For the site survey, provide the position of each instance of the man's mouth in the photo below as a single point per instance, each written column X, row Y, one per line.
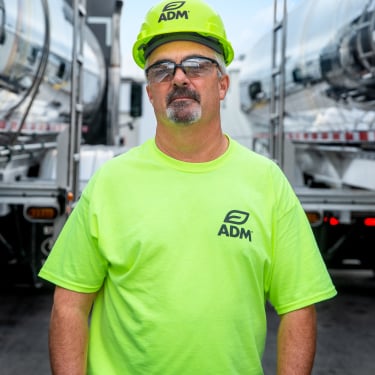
column 182, row 94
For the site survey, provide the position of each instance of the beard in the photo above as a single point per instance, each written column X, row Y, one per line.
column 184, row 111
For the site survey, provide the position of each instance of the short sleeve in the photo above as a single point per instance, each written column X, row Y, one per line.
column 75, row 261
column 299, row 276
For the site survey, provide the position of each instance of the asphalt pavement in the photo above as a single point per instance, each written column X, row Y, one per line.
column 346, row 329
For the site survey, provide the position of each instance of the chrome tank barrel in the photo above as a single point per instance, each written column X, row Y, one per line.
column 329, row 68
column 348, row 61
column 28, row 54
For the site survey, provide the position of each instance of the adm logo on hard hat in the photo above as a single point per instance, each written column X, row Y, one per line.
column 171, row 12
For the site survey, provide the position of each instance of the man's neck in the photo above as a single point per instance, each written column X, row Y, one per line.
column 191, row 143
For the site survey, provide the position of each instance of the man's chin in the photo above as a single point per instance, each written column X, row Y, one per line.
column 183, row 116
column 183, row 121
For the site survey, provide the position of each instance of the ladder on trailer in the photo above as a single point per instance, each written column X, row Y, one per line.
column 277, row 90
column 79, row 19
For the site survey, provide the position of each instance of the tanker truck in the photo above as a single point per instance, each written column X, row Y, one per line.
column 307, row 92
column 59, row 118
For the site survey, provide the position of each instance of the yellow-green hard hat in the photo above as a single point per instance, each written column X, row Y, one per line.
column 192, row 20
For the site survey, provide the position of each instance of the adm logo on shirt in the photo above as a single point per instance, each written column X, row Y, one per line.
column 233, row 225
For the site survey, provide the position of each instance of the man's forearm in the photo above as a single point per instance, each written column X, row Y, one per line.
column 68, row 338
column 297, row 342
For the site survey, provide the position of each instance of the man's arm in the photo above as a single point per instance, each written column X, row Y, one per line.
column 68, row 334
column 296, row 342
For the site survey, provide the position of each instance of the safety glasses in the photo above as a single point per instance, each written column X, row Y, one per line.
column 193, row 67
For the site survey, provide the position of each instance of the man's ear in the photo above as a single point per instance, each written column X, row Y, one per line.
column 149, row 94
column 224, row 83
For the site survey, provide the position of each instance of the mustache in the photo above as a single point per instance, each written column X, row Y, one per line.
column 182, row 92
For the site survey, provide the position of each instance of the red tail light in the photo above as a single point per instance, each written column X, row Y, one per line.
column 332, row 220
column 369, row 221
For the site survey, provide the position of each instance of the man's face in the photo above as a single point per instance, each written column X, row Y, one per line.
column 186, row 97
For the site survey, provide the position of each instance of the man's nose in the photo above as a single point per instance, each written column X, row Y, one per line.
column 180, row 76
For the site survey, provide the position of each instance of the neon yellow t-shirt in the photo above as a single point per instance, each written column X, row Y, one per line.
column 185, row 256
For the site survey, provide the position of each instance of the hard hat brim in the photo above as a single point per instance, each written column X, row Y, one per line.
column 190, row 37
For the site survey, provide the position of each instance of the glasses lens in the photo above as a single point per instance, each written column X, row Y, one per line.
column 160, row 72
column 197, row 67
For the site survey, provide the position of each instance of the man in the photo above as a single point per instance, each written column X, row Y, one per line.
column 175, row 246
